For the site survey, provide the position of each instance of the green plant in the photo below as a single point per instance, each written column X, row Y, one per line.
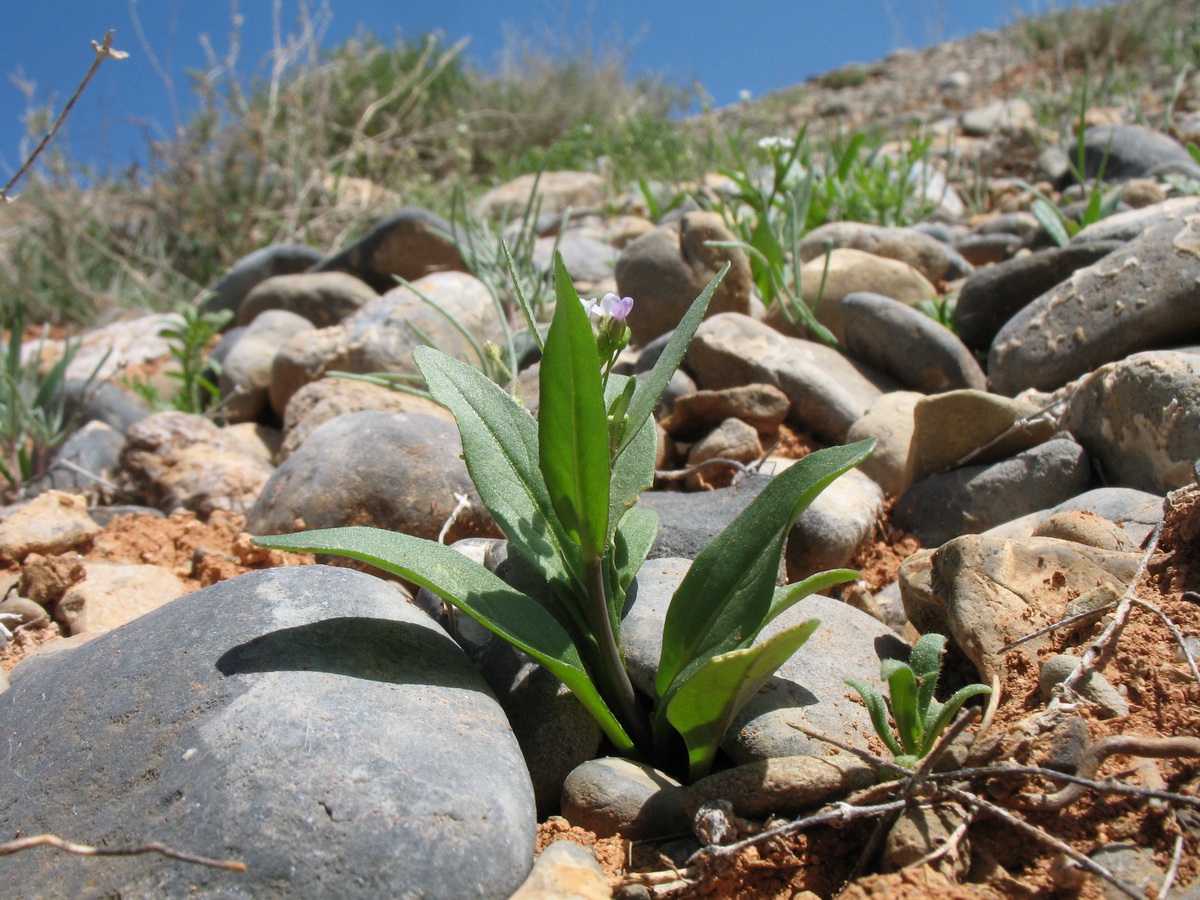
column 920, row 719
column 188, row 341
column 564, row 490
column 34, row 419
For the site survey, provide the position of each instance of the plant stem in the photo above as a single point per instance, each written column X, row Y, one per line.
column 614, row 678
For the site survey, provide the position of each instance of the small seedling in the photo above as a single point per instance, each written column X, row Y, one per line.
column 919, row 718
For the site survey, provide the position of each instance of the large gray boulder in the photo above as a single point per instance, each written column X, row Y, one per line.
column 307, row 721
column 1140, row 298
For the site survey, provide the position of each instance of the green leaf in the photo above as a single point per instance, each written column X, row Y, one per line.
column 902, row 686
column 926, row 663
column 878, row 712
column 725, row 597
column 703, row 707
column 948, row 711
column 500, row 447
column 470, row 587
column 787, row 596
column 650, row 388
column 573, row 432
column 1051, row 219
column 634, row 538
column 633, row 470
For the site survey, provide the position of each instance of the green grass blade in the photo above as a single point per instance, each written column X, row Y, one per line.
column 878, row 712
column 789, row 595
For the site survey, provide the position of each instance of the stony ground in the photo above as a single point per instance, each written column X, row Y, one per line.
column 1148, row 844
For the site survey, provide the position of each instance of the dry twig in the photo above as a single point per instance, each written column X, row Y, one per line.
column 103, row 51
column 50, row 840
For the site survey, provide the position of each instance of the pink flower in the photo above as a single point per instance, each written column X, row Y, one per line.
column 609, row 306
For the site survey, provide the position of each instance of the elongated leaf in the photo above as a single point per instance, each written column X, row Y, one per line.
column 878, row 713
column 703, row 707
column 727, row 592
column 650, row 388
column 938, row 722
column 1051, row 220
column 500, row 446
column 573, row 430
column 473, row 589
column 634, row 538
column 926, row 663
column 790, row 594
column 633, row 470
column 902, row 687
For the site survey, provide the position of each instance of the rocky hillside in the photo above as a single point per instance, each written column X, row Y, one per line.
column 937, row 263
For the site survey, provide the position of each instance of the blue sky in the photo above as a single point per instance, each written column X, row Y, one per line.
column 727, row 46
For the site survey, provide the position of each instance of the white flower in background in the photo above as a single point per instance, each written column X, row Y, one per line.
column 775, row 142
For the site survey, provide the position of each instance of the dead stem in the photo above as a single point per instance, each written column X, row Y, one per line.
column 50, row 840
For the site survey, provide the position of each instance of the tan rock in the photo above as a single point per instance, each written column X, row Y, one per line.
column 51, row 523
column 565, row 871
column 782, row 786
column 851, row 271
column 762, row 406
column 111, row 595
column 555, row 190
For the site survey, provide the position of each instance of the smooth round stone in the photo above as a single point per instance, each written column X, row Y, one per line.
column 246, row 369
column 308, row 721
column 785, row 786
column 841, row 519
column 889, row 421
column 409, row 244
column 934, row 259
column 324, row 298
column 1093, row 687
column 610, row 795
column 918, row 352
column 971, row 499
column 283, row 259
column 1140, row 420
column 665, row 270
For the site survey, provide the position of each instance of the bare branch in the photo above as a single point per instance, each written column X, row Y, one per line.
column 103, row 51
column 50, row 840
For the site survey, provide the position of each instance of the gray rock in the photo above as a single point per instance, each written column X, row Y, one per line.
column 849, row 271
column 1117, row 152
column 307, row 721
column 347, row 473
column 324, row 298
column 181, row 461
column 889, row 420
column 1009, row 116
column 732, row 439
column 828, row 392
column 382, row 335
column 934, row 259
column 1139, row 419
column 784, row 786
column 690, row 521
column 1133, row 865
column 972, row 499
column 839, row 521
column 105, row 402
column 988, row 249
column 1138, row 298
column 666, row 269
column 1136, row 512
column 86, row 463
column 410, row 244
column 1093, row 687
column 905, row 343
column 610, row 795
column 919, row 831
column 319, row 401
column 993, row 295
column 246, row 369
column 1125, row 226
column 283, row 259
column 590, row 261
